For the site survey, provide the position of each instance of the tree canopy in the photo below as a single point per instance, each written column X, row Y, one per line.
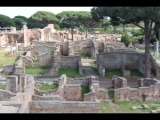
column 6, row 21
column 44, row 17
column 18, row 22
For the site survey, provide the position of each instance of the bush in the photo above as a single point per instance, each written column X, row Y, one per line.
column 125, row 38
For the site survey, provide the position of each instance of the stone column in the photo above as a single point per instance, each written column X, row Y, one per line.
column 11, row 48
column 16, row 46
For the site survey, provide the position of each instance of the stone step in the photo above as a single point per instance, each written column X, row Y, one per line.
column 9, row 109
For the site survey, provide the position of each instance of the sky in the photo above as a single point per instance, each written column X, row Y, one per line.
column 28, row 11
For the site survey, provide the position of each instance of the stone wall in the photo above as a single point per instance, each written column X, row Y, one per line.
column 12, row 83
column 119, row 82
column 19, row 70
column 119, row 60
column 64, row 107
column 72, row 92
column 147, row 93
column 24, row 48
column 142, row 82
column 6, row 95
column 49, row 92
column 46, row 98
column 8, row 69
column 41, row 49
column 69, row 61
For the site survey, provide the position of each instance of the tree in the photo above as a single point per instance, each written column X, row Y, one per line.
column 44, row 17
column 85, row 18
column 125, row 38
column 18, row 22
column 134, row 15
column 70, row 17
column 6, row 21
column 22, row 17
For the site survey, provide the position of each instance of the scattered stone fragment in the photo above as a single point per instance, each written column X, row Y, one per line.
column 139, row 107
column 158, row 110
column 134, row 107
column 145, row 106
column 153, row 111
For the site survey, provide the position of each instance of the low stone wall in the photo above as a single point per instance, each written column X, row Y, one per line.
column 24, row 108
column 63, row 107
column 72, row 92
column 119, row 82
column 12, row 83
column 46, row 98
column 6, row 95
column 49, row 92
column 23, row 48
column 90, row 96
column 8, row 69
column 146, row 81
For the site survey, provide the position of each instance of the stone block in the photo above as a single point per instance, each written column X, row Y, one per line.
column 153, row 111
column 145, row 106
column 134, row 107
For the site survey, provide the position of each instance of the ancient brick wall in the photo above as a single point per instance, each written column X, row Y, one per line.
column 64, row 107
column 45, row 59
column 91, row 96
column 46, row 98
column 26, row 62
column 119, row 82
column 41, row 49
column 72, row 92
column 146, row 82
column 116, row 60
column 69, row 61
column 24, row 48
column 48, row 92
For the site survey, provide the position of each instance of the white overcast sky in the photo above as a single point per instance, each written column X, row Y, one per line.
column 28, row 11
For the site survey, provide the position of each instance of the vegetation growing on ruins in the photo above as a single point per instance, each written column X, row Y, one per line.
column 47, row 87
column 3, row 87
column 111, row 73
column 136, row 74
column 70, row 72
column 111, row 93
column 125, row 107
column 85, row 56
column 105, row 108
column 84, row 90
column 5, row 59
column 35, row 70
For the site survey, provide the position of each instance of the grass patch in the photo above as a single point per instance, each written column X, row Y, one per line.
column 111, row 93
column 125, row 107
column 136, row 74
column 8, row 59
column 84, row 90
column 70, row 72
column 47, row 87
column 94, row 68
column 85, row 56
column 3, row 87
column 35, row 70
column 105, row 108
column 110, row 73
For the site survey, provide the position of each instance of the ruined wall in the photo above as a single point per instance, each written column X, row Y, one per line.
column 12, row 83
column 72, row 92
column 49, row 92
column 39, row 50
column 19, row 70
column 8, row 69
column 45, row 98
column 119, row 82
column 116, row 60
column 24, row 48
column 45, row 59
column 64, row 107
column 146, row 81
column 5, row 95
column 69, row 61
column 147, row 93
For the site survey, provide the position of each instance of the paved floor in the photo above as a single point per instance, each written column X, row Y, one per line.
column 9, row 109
